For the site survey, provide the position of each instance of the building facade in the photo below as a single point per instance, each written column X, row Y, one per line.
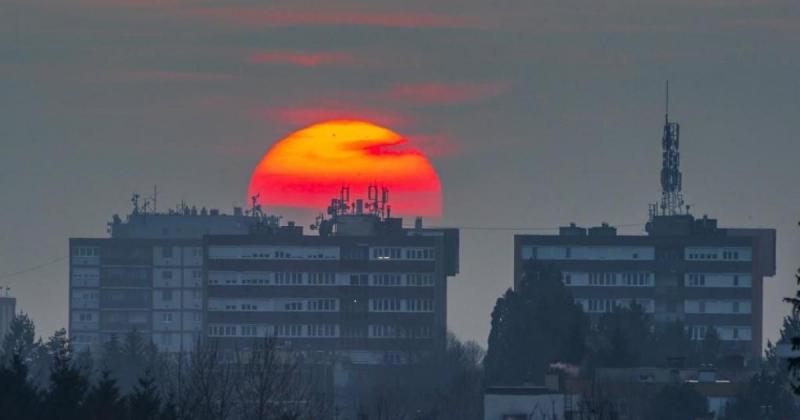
column 146, row 277
column 8, row 307
column 684, row 269
column 367, row 291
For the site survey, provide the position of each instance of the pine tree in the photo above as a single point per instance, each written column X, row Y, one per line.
column 18, row 397
column 710, row 347
column 765, row 397
column 20, row 338
column 103, row 401
column 64, row 399
column 144, row 402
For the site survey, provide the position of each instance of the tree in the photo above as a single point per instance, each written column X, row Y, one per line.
column 144, row 402
column 672, row 341
column 64, row 399
column 531, row 328
column 18, row 397
column 20, row 339
column 710, row 347
column 794, row 362
column 622, row 337
column 103, row 401
column 677, row 402
column 765, row 397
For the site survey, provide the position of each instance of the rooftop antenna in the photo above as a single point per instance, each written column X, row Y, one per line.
column 135, row 202
column 671, row 178
column 155, row 199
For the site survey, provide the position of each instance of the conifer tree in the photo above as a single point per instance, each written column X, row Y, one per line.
column 103, row 400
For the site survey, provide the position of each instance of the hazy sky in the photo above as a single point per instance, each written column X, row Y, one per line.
column 535, row 114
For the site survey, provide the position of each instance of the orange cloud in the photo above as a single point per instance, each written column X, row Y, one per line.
column 303, row 59
column 446, row 93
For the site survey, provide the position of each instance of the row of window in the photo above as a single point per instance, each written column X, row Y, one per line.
column 281, row 330
column 396, row 331
column 86, row 251
column 401, row 305
column 717, row 307
column 718, row 280
column 294, row 278
column 397, row 253
column 627, row 253
column 727, row 333
column 274, row 252
column 277, row 305
column 608, row 305
column 626, row 279
column 716, row 253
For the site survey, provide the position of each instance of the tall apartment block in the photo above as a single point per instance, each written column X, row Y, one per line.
column 364, row 289
column 147, row 276
column 684, row 268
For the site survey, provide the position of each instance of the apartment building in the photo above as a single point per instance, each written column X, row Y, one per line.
column 683, row 268
column 147, row 276
column 365, row 289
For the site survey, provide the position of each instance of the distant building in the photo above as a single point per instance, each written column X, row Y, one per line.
column 8, row 307
column 365, row 290
column 685, row 268
column 529, row 403
column 147, row 276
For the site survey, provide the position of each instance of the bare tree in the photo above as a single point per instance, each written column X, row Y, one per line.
column 277, row 385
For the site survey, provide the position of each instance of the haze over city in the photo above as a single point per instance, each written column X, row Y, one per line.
column 519, row 117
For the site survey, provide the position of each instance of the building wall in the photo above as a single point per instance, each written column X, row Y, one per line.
column 151, row 285
column 710, row 279
column 8, row 307
column 373, row 299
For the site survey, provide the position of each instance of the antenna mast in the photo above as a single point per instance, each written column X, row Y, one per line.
column 671, row 178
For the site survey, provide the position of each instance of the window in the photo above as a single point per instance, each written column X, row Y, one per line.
column 167, row 318
column 166, row 274
column 567, row 279
column 702, row 307
column 736, row 307
column 735, row 333
column 195, row 274
column 736, row 281
column 166, row 252
column 166, row 295
column 85, row 317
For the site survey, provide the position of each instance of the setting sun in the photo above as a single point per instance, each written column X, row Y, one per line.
column 307, row 168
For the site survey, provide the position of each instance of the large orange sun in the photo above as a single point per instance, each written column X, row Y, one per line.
column 307, row 168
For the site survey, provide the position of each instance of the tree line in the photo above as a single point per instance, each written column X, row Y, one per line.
column 128, row 378
column 538, row 327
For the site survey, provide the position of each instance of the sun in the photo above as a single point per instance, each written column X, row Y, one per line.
column 307, row 168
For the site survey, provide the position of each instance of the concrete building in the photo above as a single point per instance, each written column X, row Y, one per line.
column 684, row 267
column 365, row 290
column 8, row 307
column 147, row 276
